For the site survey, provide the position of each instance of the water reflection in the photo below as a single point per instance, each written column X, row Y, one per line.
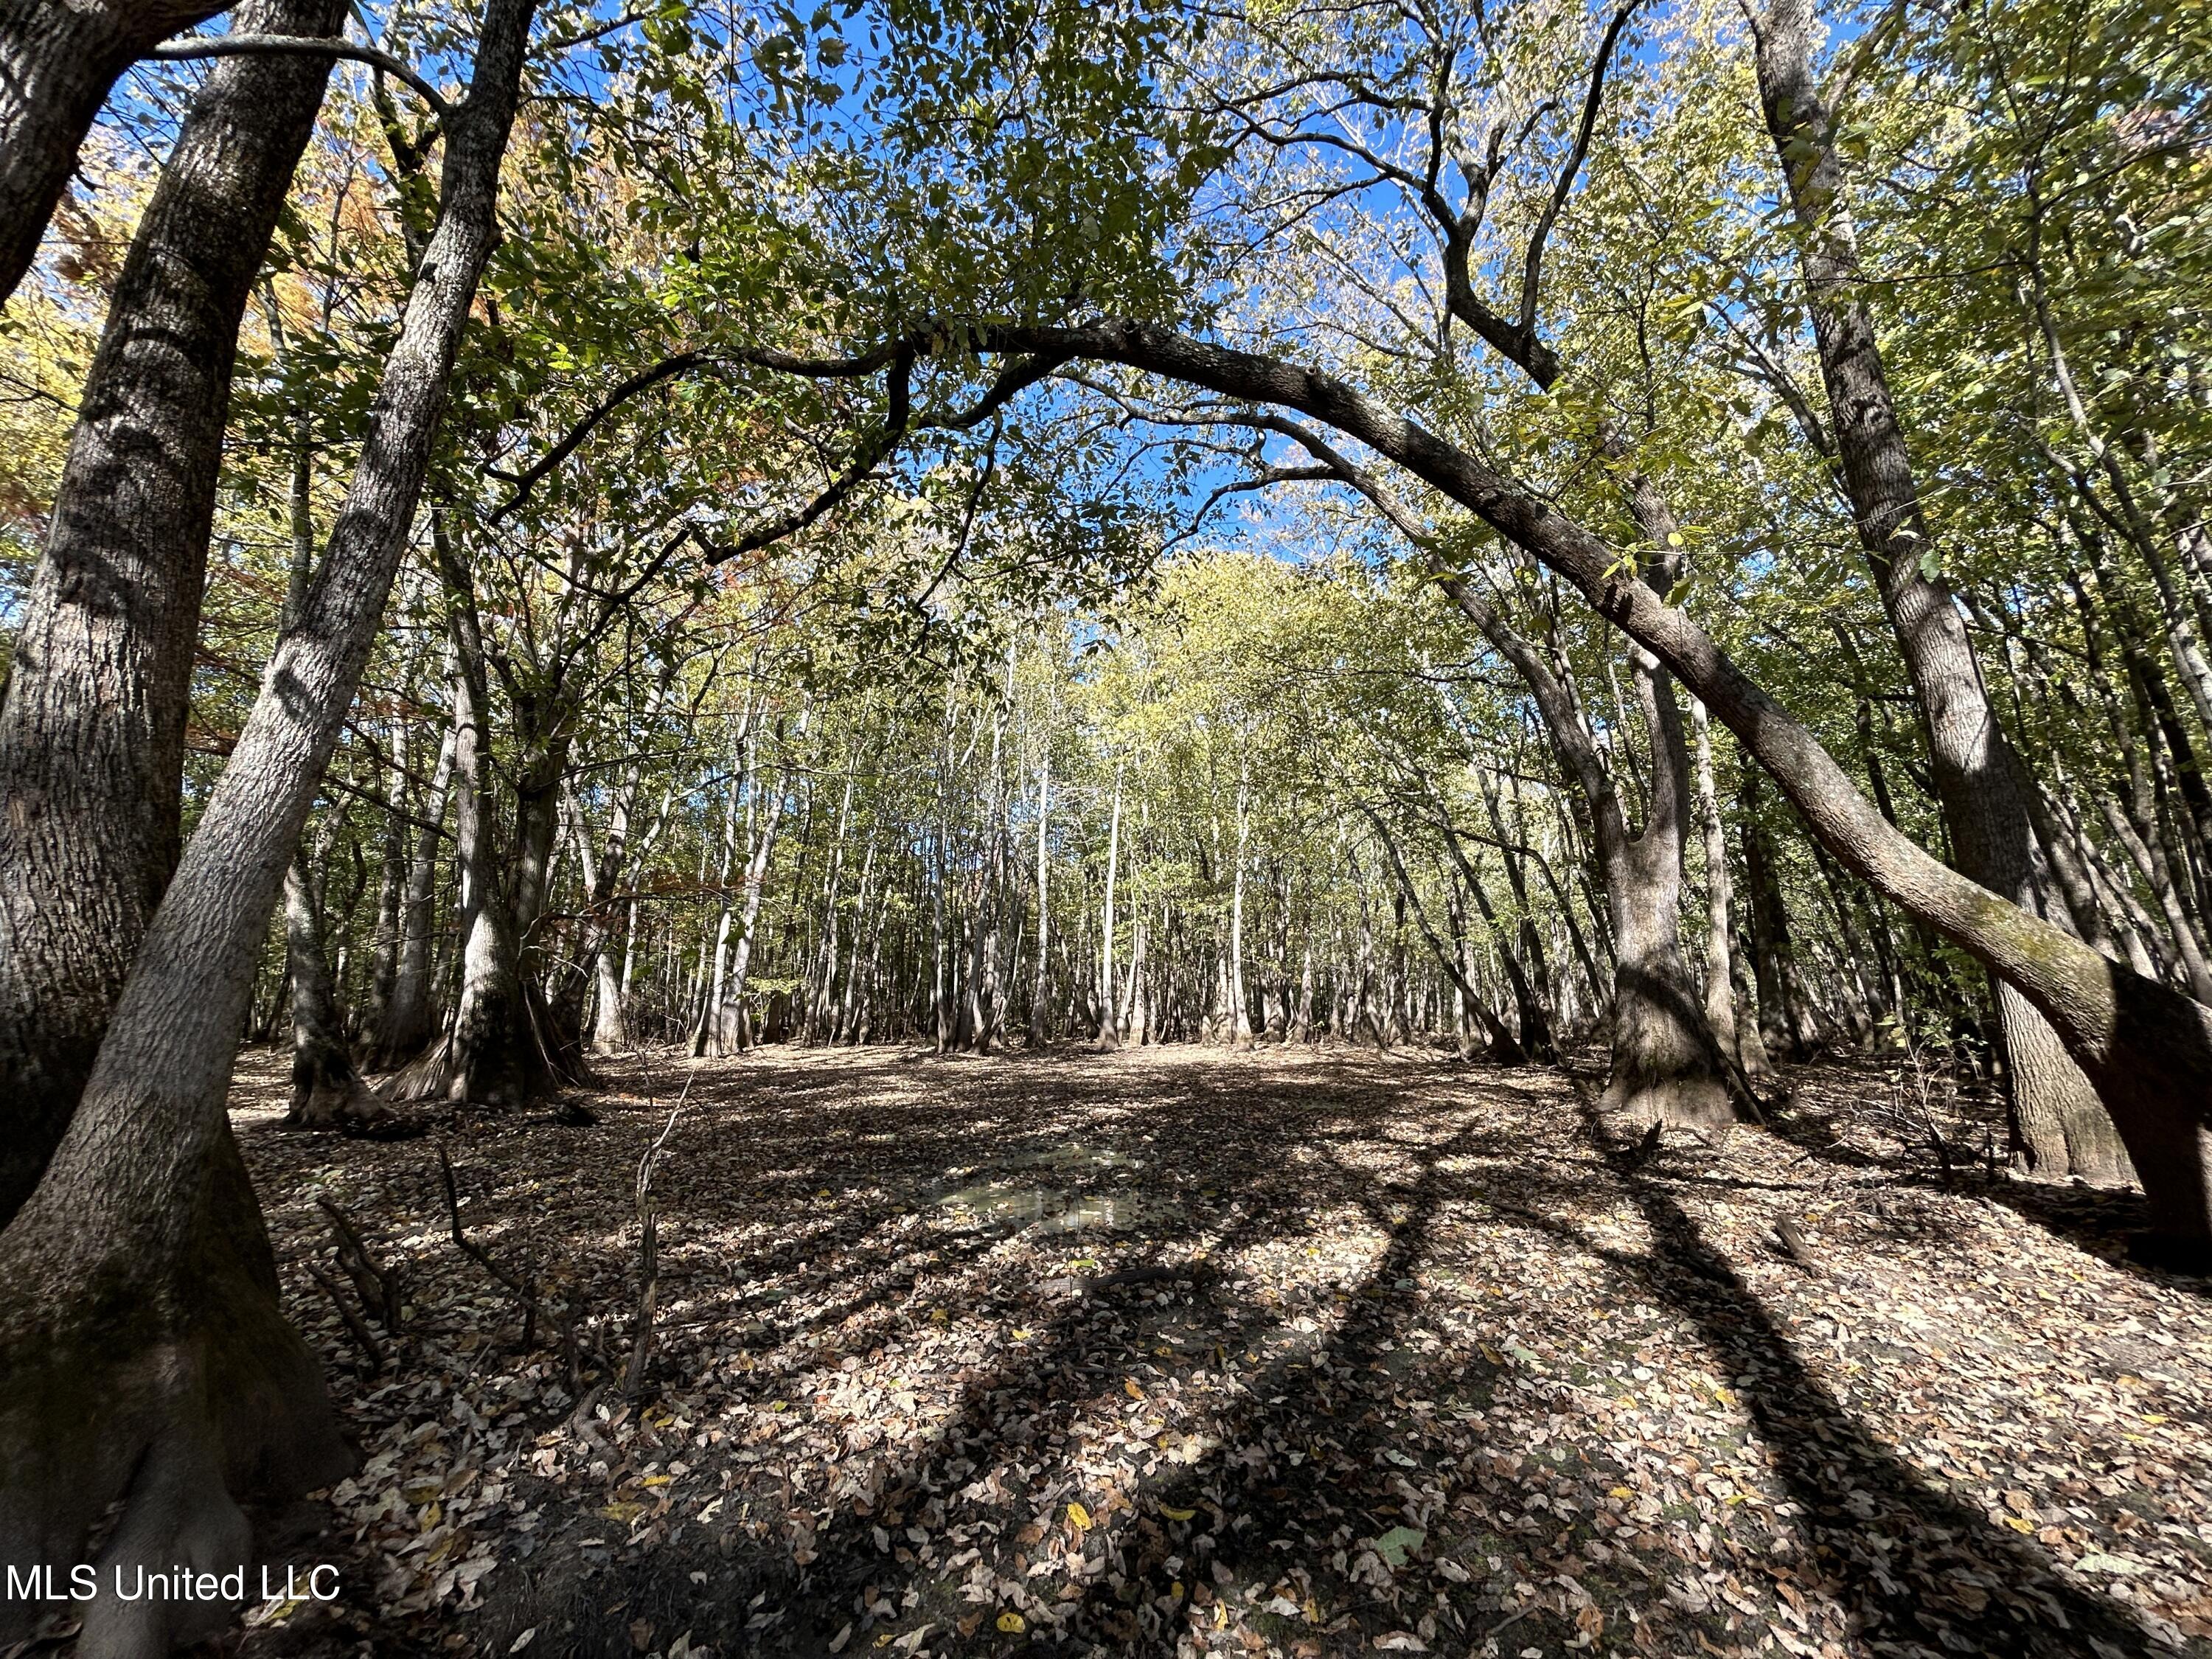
column 1018, row 1200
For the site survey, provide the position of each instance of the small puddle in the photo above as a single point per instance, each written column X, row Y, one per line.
column 1047, row 1209
column 1018, row 1201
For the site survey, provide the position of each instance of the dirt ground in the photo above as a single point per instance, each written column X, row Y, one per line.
column 1175, row 1350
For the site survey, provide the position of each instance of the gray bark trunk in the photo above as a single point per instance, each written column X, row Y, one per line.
column 57, row 60
column 92, row 735
column 148, row 1360
column 1984, row 788
column 408, row 1018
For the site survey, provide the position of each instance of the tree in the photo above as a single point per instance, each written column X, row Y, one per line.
column 138, row 1275
column 92, row 731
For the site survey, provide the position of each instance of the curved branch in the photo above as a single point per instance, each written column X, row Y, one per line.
column 239, row 46
column 714, row 363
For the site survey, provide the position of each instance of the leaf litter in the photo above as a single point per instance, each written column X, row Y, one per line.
column 1180, row 1352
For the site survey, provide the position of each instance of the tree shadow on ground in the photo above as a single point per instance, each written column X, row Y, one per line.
column 1910, row 1562
column 1337, row 1464
column 1833, row 1100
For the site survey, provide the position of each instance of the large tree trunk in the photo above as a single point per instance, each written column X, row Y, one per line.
column 58, row 59
column 92, row 736
column 1986, row 793
column 1665, row 1065
column 148, row 1359
column 489, row 1052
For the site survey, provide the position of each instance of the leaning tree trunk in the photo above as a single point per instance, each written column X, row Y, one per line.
column 1987, row 795
column 148, row 1359
column 2146, row 1047
column 92, row 736
column 58, row 59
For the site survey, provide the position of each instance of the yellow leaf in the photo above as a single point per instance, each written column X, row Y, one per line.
column 1221, row 1615
column 1490, row 1354
column 1176, row 1515
column 1022, row 1336
column 430, row 1516
column 656, row 1480
column 1129, row 1387
column 1175, row 1591
column 2019, row 1525
column 2153, row 1417
column 625, row 1513
column 1621, row 1492
column 1078, row 1517
column 1013, row 1623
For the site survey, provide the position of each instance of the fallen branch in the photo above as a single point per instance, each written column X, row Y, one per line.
column 371, row 1349
column 524, row 1289
column 378, row 1286
column 648, row 1286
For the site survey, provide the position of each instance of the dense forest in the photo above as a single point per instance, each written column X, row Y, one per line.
column 1273, row 827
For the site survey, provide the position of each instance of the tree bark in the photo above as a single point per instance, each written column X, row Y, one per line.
column 1720, row 895
column 408, row 1018
column 93, row 731
column 149, row 1360
column 57, row 60
column 1106, row 1036
column 1987, row 793
column 327, row 1093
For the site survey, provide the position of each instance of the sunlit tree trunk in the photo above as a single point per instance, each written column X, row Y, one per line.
column 149, row 1360
column 92, row 733
column 1984, row 788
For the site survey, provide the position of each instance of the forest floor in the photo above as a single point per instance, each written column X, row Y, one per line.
column 1297, row 1354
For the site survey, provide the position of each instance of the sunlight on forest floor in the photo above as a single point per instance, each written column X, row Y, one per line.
column 1303, row 1353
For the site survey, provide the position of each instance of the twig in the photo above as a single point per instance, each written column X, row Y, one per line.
column 377, row 1285
column 370, row 1348
column 1793, row 1243
column 648, row 1288
column 524, row 1289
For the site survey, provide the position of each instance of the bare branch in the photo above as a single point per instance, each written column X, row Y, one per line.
column 239, row 45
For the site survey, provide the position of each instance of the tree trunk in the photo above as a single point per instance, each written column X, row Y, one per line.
column 149, row 1360
column 93, row 731
column 1107, row 1037
column 1040, row 1032
column 729, row 1030
column 408, row 1018
column 1720, row 978
column 1240, row 1016
column 57, row 60
column 1986, row 793
column 327, row 1093
column 487, row 1054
